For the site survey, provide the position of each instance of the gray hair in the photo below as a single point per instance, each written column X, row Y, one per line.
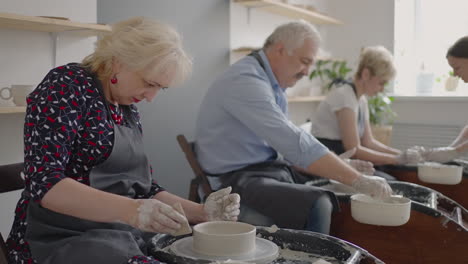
column 293, row 35
column 141, row 44
column 378, row 60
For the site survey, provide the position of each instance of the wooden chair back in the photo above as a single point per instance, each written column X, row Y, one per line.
column 200, row 180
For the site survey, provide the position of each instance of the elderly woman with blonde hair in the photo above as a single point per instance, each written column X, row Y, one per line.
column 89, row 195
column 342, row 119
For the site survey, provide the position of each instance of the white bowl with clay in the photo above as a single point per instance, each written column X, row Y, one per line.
column 433, row 172
column 393, row 211
column 224, row 238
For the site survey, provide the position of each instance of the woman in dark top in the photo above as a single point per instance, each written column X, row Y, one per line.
column 89, row 195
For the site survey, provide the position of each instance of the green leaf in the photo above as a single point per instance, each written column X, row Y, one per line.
column 313, row 74
column 380, row 110
column 329, row 70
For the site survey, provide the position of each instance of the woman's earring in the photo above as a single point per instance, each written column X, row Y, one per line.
column 113, row 80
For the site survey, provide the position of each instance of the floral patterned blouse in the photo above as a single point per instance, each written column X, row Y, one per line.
column 67, row 132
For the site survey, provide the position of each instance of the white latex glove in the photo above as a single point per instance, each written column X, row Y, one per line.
column 155, row 216
column 222, row 205
column 365, row 167
column 410, row 156
column 362, row 166
column 442, row 155
column 374, row 186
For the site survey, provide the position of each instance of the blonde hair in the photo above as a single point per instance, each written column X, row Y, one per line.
column 378, row 60
column 293, row 35
column 141, row 44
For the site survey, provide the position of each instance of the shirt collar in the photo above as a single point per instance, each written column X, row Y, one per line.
column 271, row 76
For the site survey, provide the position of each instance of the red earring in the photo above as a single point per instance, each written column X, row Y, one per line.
column 113, row 80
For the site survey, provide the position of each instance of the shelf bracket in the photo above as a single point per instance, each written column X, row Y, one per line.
column 249, row 10
column 54, row 37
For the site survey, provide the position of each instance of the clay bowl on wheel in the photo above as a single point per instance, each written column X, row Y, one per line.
column 433, row 172
column 393, row 211
column 224, row 238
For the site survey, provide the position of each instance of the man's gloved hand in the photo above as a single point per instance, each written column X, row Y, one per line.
column 374, row 186
column 155, row 216
column 442, row 155
column 410, row 156
column 222, row 205
column 362, row 166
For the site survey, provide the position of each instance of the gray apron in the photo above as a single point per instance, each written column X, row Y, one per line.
column 56, row 238
column 276, row 190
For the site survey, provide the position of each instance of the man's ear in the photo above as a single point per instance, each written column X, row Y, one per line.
column 278, row 49
column 282, row 49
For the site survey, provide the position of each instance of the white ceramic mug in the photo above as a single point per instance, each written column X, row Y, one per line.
column 19, row 92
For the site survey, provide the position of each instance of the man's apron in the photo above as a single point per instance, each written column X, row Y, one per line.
column 276, row 190
column 56, row 238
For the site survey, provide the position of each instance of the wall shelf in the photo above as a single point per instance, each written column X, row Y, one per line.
column 12, row 109
column 305, row 99
column 45, row 24
column 289, row 10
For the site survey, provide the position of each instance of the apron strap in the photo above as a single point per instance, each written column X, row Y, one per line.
column 340, row 81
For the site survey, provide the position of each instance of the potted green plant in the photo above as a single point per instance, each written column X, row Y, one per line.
column 328, row 70
column 381, row 117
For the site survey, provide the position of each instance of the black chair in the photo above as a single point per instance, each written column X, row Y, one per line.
column 11, row 180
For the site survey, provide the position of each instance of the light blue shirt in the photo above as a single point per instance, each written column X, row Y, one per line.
column 243, row 120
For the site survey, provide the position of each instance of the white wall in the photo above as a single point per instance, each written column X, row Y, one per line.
column 26, row 57
column 366, row 22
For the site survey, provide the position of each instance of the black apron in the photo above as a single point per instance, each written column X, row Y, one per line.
column 56, row 238
column 276, row 190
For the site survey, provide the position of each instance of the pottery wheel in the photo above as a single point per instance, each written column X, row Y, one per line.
column 265, row 251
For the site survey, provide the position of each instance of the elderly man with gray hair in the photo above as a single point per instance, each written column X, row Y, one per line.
column 245, row 140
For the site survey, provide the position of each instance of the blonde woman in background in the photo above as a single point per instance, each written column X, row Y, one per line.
column 342, row 119
column 89, row 195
